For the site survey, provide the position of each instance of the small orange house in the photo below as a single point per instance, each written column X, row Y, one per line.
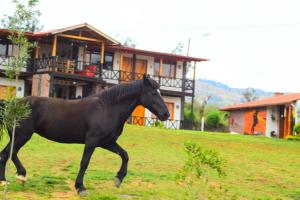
column 272, row 117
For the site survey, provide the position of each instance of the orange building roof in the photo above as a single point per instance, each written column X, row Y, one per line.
column 276, row 100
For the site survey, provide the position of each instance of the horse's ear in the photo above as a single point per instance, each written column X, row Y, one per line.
column 146, row 79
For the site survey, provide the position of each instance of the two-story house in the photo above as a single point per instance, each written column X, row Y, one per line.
column 77, row 61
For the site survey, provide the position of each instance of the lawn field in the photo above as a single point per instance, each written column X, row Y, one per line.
column 256, row 167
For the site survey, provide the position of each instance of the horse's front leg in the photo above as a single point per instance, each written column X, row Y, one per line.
column 89, row 148
column 115, row 148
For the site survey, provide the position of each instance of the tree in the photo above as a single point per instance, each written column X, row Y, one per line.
column 128, row 42
column 250, row 95
column 25, row 18
column 13, row 110
column 178, row 49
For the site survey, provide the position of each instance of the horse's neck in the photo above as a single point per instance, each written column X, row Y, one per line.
column 126, row 107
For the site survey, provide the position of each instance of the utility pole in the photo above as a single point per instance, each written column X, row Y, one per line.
column 188, row 47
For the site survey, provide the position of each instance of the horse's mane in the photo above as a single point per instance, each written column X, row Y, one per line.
column 117, row 93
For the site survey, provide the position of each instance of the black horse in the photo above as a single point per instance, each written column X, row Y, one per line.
column 96, row 121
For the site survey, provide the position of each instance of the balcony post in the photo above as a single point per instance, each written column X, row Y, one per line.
column 133, row 66
column 120, row 67
column 54, row 45
column 193, row 90
column 102, row 60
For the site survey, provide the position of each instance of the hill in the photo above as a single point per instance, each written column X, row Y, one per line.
column 221, row 94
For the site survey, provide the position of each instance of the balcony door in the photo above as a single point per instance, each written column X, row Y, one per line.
column 126, row 69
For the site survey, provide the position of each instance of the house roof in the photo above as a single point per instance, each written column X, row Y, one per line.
column 155, row 53
column 276, row 100
column 113, row 45
column 70, row 28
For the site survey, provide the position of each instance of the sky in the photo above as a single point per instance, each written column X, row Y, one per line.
column 250, row 43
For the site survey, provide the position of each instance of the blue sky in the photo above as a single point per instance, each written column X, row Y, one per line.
column 251, row 43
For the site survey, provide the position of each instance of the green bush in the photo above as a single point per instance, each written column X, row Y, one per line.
column 297, row 127
column 159, row 124
column 213, row 119
column 293, row 137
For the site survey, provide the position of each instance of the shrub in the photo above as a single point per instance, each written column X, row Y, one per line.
column 195, row 174
column 297, row 128
column 159, row 124
column 213, row 119
column 293, row 137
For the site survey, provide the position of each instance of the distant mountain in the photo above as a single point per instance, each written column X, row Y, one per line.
column 223, row 95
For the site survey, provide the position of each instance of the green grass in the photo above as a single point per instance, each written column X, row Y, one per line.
column 256, row 167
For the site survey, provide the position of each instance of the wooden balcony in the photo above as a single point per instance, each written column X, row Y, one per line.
column 94, row 70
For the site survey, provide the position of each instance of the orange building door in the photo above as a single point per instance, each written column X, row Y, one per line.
column 170, row 107
column 126, row 69
column 138, row 115
column 140, row 68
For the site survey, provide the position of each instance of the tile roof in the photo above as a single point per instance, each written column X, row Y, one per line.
column 276, row 100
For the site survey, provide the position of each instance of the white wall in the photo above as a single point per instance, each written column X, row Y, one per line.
column 177, row 110
column 78, row 91
column 273, row 120
column 20, row 86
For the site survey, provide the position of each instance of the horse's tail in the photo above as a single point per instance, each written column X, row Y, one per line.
column 2, row 104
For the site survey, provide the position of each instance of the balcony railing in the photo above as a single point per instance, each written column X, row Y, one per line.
column 116, row 76
column 170, row 124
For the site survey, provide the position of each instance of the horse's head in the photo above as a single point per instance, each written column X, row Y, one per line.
column 152, row 100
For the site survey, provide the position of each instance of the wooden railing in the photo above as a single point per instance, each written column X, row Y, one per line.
column 62, row 65
column 170, row 124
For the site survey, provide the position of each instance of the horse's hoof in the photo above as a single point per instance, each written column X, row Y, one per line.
column 82, row 193
column 3, row 183
column 21, row 179
column 118, row 182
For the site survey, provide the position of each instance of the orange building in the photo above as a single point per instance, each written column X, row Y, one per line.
column 272, row 117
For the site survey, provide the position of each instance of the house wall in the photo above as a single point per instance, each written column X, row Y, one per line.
column 20, row 85
column 273, row 120
column 236, row 121
column 177, row 112
column 79, row 91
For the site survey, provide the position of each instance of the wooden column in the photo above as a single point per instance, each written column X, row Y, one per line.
column 54, row 45
column 102, row 53
column 120, row 67
column 160, row 66
column 133, row 66
column 121, row 61
column 193, row 91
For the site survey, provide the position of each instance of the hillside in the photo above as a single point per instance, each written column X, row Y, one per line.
column 221, row 94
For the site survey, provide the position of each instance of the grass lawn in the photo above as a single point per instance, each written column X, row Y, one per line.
column 256, row 167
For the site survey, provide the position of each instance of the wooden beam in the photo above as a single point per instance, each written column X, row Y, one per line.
column 160, row 66
column 80, row 38
column 54, row 46
column 102, row 53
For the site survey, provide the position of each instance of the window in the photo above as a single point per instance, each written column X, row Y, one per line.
column 168, row 68
column 108, row 61
column 3, row 48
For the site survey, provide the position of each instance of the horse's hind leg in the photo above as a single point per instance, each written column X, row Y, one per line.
column 20, row 140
